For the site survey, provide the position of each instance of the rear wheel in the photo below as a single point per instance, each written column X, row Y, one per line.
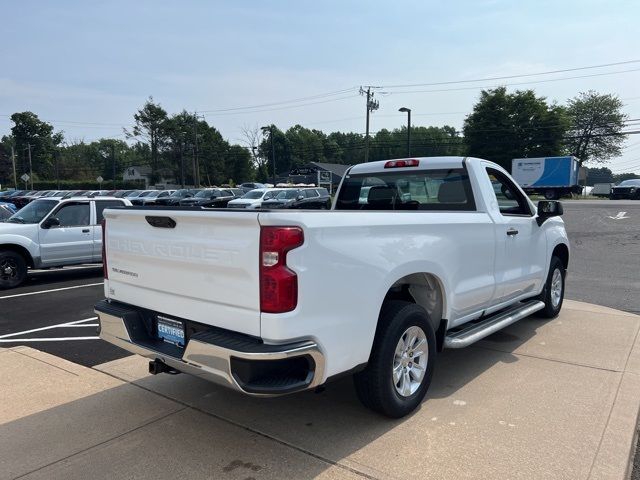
column 402, row 359
column 13, row 269
column 553, row 293
column 551, row 194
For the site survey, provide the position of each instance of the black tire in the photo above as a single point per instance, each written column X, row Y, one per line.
column 551, row 194
column 552, row 307
column 13, row 269
column 375, row 385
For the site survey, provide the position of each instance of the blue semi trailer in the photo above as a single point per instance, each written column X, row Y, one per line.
column 552, row 177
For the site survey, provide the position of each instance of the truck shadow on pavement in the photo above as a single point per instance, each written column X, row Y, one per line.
column 180, row 426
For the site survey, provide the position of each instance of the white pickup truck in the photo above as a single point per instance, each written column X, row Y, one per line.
column 415, row 256
column 52, row 232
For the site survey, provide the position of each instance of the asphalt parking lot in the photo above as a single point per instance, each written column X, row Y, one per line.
column 53, row 312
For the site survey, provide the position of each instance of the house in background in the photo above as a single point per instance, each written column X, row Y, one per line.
column 142, row 175
column 316, row 172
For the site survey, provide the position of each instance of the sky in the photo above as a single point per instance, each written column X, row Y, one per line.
column 87, row 66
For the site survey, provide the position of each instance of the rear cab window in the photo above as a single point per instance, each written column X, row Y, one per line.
column 422, row 190
column 101, row 205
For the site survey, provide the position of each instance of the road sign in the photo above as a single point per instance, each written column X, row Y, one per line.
column 324, row 177
column 25, row 177
column 99, row 179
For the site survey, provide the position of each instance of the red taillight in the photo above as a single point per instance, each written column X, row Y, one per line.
column 278, row 284
column 402, row 163
column 105, row 270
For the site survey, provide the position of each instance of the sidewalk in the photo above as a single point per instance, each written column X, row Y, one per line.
column 541, row 399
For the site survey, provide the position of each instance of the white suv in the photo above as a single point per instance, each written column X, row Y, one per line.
column 52, row 232
column 254, row 198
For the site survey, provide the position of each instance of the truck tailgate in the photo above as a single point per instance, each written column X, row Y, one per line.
column 205, row 268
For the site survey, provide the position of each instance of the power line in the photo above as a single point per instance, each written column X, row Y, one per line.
column 507, row 77
column 282, row 102
column 488, row 87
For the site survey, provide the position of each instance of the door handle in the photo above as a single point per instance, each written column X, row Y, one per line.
column 512, row 231
column 85, row 230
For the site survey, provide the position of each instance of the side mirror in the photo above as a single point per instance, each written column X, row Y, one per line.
column 300, row 197
column 51, row 222
column 548, row 209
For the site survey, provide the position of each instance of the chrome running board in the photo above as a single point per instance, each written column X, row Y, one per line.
column 478, row 331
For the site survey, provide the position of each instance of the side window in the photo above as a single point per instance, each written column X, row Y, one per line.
column 310, row 193
column 102, row 204
column 510, row 199
column 323, row 192
column 74, row 214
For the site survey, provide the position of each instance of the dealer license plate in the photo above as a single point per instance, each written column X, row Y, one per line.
column 171, row 331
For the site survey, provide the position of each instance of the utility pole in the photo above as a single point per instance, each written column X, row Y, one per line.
column 113, row 164
column 30, row 165
column 56, row 157
column 372, row 105
column 182, row 158
column 13, row 161
column 196, row 163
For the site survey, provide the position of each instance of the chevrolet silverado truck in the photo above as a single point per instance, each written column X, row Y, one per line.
column 52, row 232
column 416, row 255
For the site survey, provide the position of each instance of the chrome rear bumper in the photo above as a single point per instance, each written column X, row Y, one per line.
column 210, row 357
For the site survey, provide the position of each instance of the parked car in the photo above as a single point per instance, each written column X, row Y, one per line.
column 137, row 198
column 307, row 198
column 211, row 197
column 254, row 198
column 52, row 232
column 151, row 198
column 123, row 193
column 6, row 210
column 626, row 189
column 274, row 301
column 247, row 187
column 21, row 200
column 175, row 197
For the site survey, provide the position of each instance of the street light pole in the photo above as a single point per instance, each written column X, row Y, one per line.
column 30, row 165
column 408, row 112
column 273, row 150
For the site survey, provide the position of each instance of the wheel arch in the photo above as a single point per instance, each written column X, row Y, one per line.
column 426, row 290
column 562, row 252
column 20, row 250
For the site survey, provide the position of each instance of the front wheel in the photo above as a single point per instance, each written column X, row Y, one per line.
column 553, row 293
column 13, row 269
column 402, row 360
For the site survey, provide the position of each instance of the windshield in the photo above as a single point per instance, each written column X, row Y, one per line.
column 145, row 194
column 134, row 194
column 630, row 183
column 179, row 193
column 287, row 194
column 253, row 194
column 154, row 194
column 206, row 194
column 33, row 212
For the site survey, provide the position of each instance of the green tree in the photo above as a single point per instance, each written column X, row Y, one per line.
column 283, row 162
column 597, row 121
column 599, row 175
column 29, row 133
column 505, row 125
column 150, row 127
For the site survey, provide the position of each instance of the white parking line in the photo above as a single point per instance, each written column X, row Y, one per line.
column 66, row 324
column 52, row 290
column 83, row 325
column 62, row 339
